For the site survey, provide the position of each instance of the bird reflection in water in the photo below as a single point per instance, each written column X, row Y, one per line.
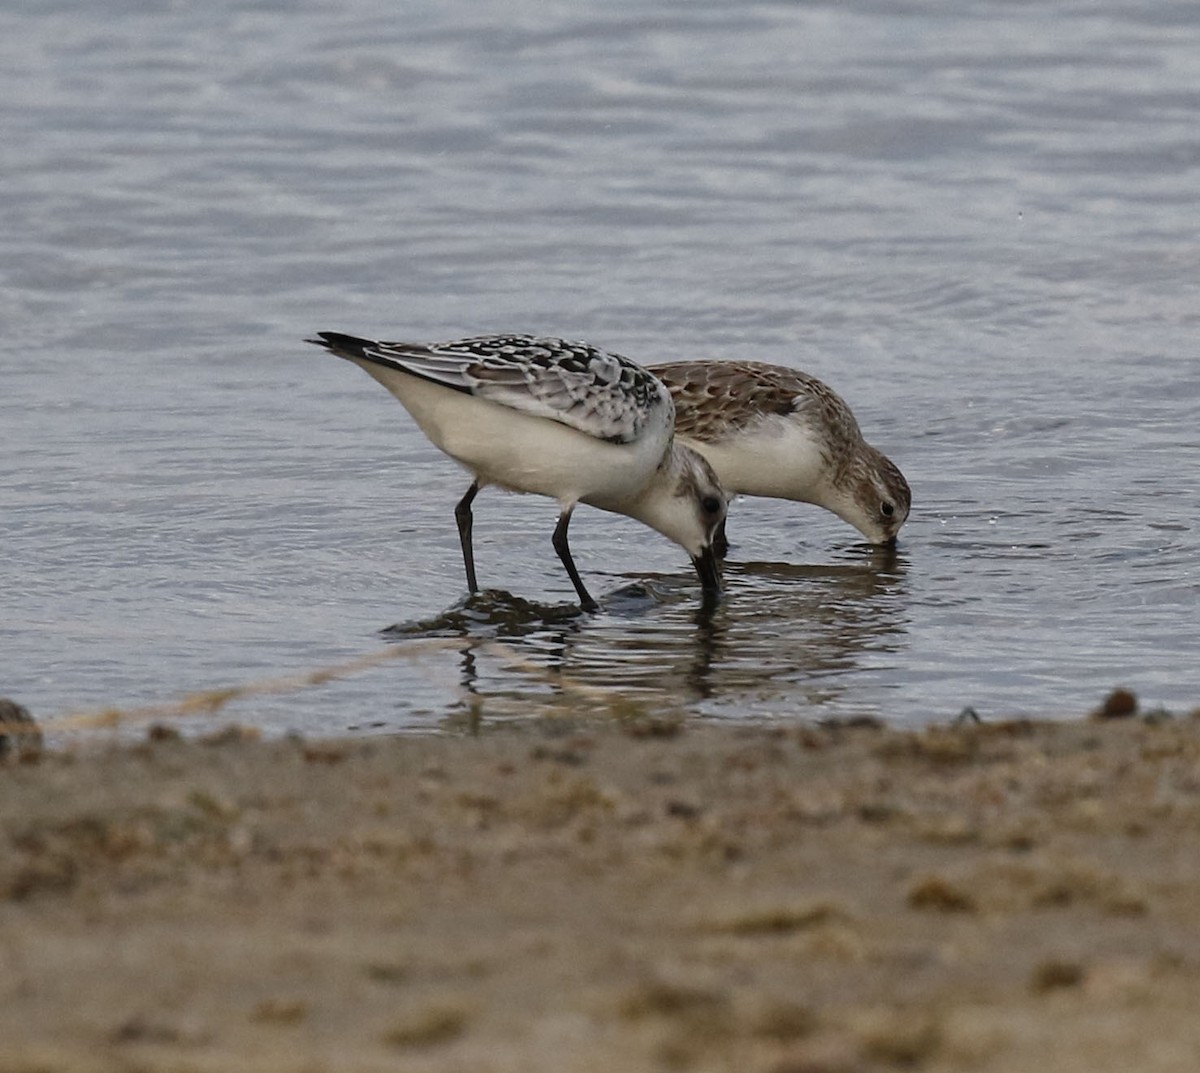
column 785, row 637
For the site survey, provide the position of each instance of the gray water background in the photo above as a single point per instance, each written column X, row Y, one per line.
column 979, row 222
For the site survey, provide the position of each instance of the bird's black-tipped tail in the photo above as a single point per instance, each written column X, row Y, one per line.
column 344, row 346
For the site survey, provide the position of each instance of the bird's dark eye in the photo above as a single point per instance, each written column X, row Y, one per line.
column 888, row 510
column 710, row 504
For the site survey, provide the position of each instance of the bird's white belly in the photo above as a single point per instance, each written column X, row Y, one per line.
column 523, row 452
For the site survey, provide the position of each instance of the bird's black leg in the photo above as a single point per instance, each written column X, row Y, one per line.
column 564, row 553
column 462, row 515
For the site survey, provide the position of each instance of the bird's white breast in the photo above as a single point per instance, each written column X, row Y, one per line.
column 777, row 456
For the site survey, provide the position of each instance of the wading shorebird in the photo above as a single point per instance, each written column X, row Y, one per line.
column 772, row 431
column 559, row 419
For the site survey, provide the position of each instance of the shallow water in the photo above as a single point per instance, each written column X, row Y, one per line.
column 978, row 224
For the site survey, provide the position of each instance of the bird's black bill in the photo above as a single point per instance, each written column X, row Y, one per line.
column 708, row 566
column 720, row 542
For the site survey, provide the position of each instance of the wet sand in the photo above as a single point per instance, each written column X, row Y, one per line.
column 639, row 896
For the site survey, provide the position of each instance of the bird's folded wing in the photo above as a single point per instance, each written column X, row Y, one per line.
column 597, row 395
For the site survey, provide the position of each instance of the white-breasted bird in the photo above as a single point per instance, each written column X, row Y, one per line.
column 769, row 430
column 559, row 419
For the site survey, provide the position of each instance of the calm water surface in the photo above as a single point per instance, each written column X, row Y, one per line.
column 980, row 223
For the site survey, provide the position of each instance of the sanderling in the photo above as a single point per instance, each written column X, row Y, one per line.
column 773, row 431
column 559, row 419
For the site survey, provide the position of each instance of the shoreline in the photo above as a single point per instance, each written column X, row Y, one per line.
column 642, row 896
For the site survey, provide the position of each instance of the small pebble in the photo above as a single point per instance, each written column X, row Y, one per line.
column 1119, row 704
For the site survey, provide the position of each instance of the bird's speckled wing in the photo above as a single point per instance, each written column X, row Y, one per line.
column 596, row 392
column 715, row 398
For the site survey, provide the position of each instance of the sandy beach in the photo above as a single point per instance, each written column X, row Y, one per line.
column 641, row 895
